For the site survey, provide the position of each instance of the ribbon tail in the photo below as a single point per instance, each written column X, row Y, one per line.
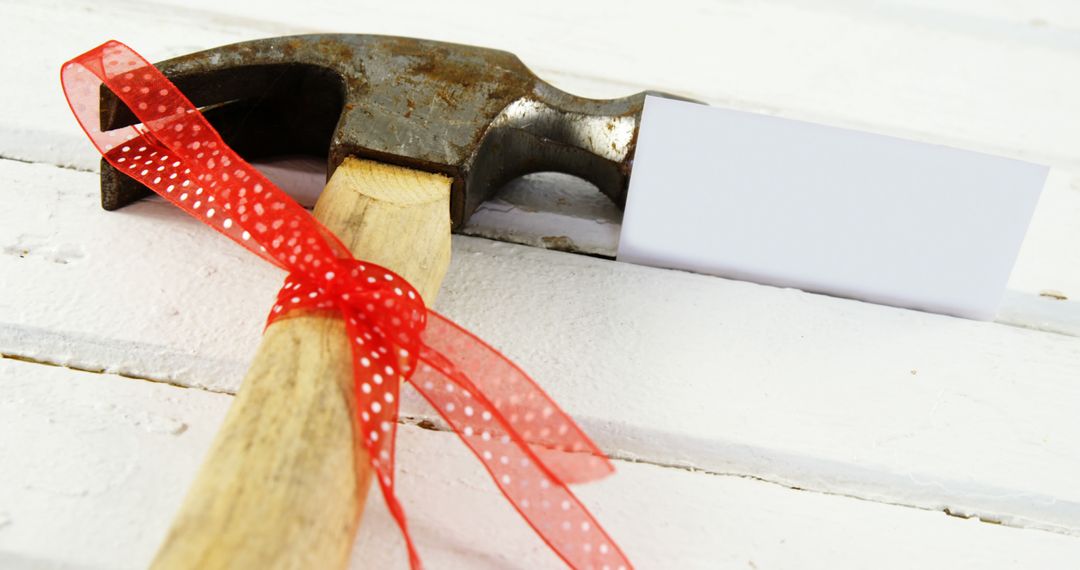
column 394, row 506
column 376, row 382
column 530, row 475
column 560, row 443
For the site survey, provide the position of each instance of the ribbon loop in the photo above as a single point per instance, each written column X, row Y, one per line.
column 531, row 448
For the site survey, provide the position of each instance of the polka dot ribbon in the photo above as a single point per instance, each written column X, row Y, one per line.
column 530, row 447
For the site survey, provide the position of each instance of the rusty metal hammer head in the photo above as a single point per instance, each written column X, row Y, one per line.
column 477, row 115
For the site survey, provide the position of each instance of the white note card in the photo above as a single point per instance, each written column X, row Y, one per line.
column 824, row 209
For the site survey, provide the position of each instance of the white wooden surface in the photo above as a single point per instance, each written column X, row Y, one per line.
column 996, row 79
column 111, row 458
column 701, row 378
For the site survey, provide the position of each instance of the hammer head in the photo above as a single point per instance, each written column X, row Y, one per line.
column 477, row 115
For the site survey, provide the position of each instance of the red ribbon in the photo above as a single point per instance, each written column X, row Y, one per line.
column 530, row 447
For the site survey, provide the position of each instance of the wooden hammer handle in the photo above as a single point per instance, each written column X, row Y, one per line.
column 285, row 481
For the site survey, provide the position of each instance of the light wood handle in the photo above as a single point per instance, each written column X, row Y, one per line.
column 284, row 484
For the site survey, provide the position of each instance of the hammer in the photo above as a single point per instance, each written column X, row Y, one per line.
column 416, row 134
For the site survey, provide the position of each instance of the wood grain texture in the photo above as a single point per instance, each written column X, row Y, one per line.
column 285, row 481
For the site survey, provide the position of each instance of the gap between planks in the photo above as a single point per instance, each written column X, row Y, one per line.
column 63, row 166
column 428, row 424
column 105, row 372
column 118, row 475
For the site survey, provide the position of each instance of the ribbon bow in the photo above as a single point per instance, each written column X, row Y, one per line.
column 531, row 448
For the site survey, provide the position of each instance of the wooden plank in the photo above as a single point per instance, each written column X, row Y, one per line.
column 880, row 73
column 101, row 462
column 1044, row 288
column 670, row 367
column 964, row 74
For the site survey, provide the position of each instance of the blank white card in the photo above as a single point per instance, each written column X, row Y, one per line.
column 830, row 210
